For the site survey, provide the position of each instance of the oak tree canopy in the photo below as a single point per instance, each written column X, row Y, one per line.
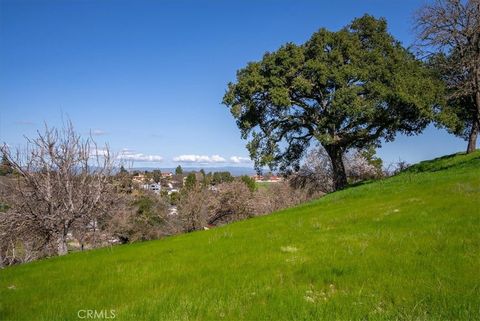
column 344, row 89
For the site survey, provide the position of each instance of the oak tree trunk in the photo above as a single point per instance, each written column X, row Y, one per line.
column 339, row 175
column 472, row 139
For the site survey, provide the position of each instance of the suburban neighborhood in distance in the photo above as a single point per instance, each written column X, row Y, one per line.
column 169, row 183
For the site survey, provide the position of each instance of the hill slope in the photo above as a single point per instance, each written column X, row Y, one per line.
column 405, row 248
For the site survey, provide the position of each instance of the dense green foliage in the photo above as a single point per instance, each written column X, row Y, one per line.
column 144, row 220
column 174, row 198
column 403, row 248
column 345, row 89
column 190, row 181
column 3, row 207
column 219, row 177
column 157, row 175
column 146, row 211
column 179, row 170
column 370, row 154
column 6, row 167
column 250, row 182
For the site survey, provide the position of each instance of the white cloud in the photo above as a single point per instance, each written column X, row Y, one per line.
column 99, row 151
column 203, row 159
column 240, row 160
column 131, row 155
column 217, row 159
column 213, row 159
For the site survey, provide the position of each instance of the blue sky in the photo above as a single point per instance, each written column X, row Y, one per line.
column 148, row 76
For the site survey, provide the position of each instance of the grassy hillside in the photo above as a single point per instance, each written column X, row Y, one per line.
column 405, row 248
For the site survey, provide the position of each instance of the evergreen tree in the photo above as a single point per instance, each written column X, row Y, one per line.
column 179, row 170
column 347, row 89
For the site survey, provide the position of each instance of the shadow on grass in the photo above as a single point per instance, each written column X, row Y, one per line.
column 361, row 183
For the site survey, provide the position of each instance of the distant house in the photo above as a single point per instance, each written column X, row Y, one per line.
column 139, row 178
column 274, row 179
column 173, row 211
column 154, row 187
column 167, row 175
column 267, row 179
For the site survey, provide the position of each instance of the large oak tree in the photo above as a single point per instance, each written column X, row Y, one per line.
column 345, row 89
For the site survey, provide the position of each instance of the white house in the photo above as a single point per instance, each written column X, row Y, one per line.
column 154, row 187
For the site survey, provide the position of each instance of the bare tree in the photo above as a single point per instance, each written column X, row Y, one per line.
column 194, row 208
column 395, row 168
column 233, row 203
column 359, row 168
column 63, row 181
column 200, row 207
column 452, row 28
column 280, row 195
column 316, row 173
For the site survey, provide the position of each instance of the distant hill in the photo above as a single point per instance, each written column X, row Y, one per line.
column 403, row 248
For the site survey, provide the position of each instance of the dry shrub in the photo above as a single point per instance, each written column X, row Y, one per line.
column 194, row 208
column 280, row 195
column 233, row 201
column 140, row 218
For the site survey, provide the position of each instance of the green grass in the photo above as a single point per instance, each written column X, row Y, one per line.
column 262, row 185
column 404, row 248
